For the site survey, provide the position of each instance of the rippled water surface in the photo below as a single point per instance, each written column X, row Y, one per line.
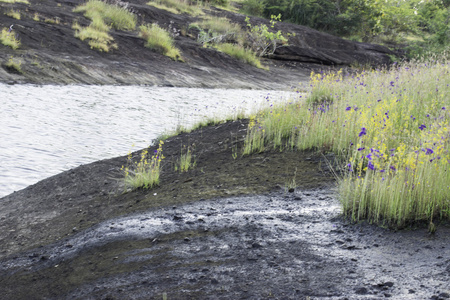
column 48, row 129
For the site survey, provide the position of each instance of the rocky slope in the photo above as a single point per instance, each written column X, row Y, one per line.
column 50, row 53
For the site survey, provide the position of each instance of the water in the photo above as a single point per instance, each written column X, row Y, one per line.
column 45, row 130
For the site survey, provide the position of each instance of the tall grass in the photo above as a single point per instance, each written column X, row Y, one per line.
column 391, row 130
column 178, row 6
column 104, row 16
column 159, row 40
column 145, row 173
column 15, row 1
column 8, row 38
column 111, row 15
column 14, row 14
column 241, row 53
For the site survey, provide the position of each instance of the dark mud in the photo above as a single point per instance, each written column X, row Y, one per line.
column 227, row 229
column 50, row 53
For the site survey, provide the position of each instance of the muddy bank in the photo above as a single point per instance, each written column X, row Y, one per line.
column 50, row 53
column 227, row 229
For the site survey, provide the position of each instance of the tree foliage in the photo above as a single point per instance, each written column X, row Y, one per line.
column 365, row 20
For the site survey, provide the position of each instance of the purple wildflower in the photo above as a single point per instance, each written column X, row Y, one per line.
column 363, row 132
column 371, row 166
column 422, row 127
column 361, row 149
column 429, row 151
column 348, row 108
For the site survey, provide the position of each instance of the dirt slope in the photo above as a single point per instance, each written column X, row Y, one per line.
column 50, row 53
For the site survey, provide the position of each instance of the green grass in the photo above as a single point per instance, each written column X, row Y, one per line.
column 178, row 6
column 113, row 16
column 241, row 53
column 104, row 17
column 144, row 173
column 218, row 29
column 14, row 65
column 159, row 40
column 390, row 131
column 13, row 14
column 9, row 39
column 186, row 160
column 15, row 1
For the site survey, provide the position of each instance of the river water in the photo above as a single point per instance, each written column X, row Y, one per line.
column 45, row 130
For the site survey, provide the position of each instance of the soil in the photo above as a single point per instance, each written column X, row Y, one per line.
column 50, row 53
column 232, row 227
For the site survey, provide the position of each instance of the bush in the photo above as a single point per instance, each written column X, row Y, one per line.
column 253, row 7
column 159, row 40
column 177, row 6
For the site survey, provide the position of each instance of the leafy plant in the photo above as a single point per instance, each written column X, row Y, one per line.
column 263, row 41
column 144, row 173
column 159, row 40
column 8, row 38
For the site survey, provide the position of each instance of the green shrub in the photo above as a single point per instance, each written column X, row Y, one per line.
column 263, row 41
column 241, row 53
column 218, row 30
column 159, row 40
column 253, row 7
column 9, row 39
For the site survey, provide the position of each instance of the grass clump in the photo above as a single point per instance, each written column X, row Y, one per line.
column 14, row 65
column 145, row 173
column 9, row 39
column 13, row 14
column 241, row 53
column 391, row 131
column 15, row 1
column 159, row 40
column 178, row 6
column 186, row 160
column 104, row 17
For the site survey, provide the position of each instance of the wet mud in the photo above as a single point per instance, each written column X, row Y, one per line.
column 230, row 228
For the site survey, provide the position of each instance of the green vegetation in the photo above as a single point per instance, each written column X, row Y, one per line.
column 178, row 6
column 246, row 46
column 186, row 160
column 159, row 40
column 9, row 39
column 241, row 53
column 394, row 21
column 15, row 1
column 14, row 65
column 145, row 173
column 390, row 131
column 104, row 16
column 264, row 41
column 216, row 30
column 13, row 14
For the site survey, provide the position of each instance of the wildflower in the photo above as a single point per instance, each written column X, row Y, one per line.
column 363, row 132
column 422, row 127
column 443, row 108
column 429, row 151
column 348, row 108
column 392, row 168
column 369, row 156
column 371, row 166
column 361, row 149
